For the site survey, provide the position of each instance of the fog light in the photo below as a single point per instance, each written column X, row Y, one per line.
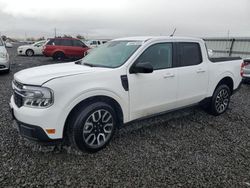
column 51, row 131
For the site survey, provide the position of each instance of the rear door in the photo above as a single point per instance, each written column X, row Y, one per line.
column 192, row 74
column 67, row 47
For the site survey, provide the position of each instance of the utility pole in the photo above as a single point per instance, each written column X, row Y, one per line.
column 55, row 31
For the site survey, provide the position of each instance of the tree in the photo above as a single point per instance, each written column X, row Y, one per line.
column 41, row 38
column 67, row 36
column 80, row 37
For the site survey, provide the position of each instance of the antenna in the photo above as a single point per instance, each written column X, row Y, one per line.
column 173, row 33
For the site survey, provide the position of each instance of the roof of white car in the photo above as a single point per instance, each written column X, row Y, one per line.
column 146, row 38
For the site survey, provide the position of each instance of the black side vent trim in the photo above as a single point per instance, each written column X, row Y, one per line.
column 124, row 79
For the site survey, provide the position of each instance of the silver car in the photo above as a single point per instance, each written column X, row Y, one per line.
column 246, row 71
column 4, row 58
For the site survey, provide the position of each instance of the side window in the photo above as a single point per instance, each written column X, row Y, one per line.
column 190, row 54
column 66, row 42
column 50, row 42
column 56, row 42
column 158, row 55
column 78, row 43
column 93, row 42
column 98, row 42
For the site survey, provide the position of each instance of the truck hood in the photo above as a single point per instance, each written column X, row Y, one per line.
column 26, row 46
column 40, row 75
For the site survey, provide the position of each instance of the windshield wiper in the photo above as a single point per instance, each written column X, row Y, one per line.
column 88, row 64
column 93, row 65
column 78, row 62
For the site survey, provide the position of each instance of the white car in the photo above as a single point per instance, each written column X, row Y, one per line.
column 4, row 58
column 124, row 80
column 95, row 43
column 8, row 45
column 31, row 49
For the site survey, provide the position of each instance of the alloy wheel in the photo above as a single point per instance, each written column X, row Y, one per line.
column 98, row 128
column 222, row 101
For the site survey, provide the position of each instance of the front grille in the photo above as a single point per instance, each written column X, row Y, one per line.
column 2, row 66
column 17, row 84
column 17, row 97
column 18, row 100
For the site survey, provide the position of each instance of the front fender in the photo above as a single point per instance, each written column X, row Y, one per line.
column 92, row 93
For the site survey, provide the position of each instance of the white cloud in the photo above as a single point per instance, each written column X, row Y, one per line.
column 126, row 17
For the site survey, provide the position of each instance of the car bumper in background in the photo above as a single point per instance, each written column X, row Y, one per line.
column 20, row 52
column 4, row 64
column 246, row 78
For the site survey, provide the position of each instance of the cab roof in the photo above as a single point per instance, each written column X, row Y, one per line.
column 146, row 38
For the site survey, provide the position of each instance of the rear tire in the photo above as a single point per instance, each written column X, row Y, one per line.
column 58, row 56
column 29, row 53
column 220, row 100
column 92, row 126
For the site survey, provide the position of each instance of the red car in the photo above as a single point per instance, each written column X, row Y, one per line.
column 60, row 48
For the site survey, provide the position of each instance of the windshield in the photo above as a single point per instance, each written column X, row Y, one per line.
column 112, row 54
column 39, row 43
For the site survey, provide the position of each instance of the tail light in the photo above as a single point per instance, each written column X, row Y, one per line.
column 241, row 69
column 245, row 63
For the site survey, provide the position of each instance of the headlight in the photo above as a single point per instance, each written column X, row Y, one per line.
column 39, row 97
column 3, row 55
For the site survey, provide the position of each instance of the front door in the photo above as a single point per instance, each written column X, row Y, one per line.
column 155, row 92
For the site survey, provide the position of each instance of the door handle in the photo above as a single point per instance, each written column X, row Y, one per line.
column 169, row 75
column 200, row 71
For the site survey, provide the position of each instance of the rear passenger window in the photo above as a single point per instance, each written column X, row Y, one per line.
column 66, row 42
column 158, row 55
column 56, row 42
column 190, row 54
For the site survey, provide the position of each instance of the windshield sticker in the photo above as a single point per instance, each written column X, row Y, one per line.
column 134, row 43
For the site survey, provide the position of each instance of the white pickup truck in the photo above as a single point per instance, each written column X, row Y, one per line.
column 123, row 80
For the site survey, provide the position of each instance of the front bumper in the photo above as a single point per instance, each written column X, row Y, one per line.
column 32, row 132
column 33, row 122
column 20, row 52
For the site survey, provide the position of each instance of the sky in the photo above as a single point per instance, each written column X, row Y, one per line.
column 120, row 18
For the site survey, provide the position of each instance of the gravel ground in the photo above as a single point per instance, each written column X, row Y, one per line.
column 184, row 149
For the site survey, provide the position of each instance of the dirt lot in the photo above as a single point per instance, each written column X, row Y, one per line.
column 184, row 149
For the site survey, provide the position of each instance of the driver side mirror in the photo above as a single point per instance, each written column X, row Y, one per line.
column 142, row 68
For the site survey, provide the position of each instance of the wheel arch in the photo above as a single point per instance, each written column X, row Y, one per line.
column 100, row 98
column 227, row 80
column 57, row 51
column 30, row 50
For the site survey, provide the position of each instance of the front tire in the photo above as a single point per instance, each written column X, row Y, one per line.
column 59, row 56
column 220, row 100
column 93, row 126
column 29, row 53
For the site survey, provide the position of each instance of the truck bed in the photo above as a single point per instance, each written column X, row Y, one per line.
column 220, row 59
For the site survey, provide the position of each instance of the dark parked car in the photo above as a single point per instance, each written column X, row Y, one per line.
column 60, row 48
